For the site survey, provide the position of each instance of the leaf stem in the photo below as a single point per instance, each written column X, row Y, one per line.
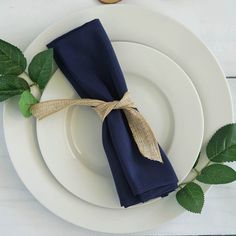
column 196, row 171
column 33, row 84
column 196, row 175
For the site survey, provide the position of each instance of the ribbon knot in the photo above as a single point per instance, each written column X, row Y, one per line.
column 105, row 108
column 140, row 129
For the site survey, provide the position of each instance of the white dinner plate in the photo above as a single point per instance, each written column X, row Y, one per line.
column 122, row 23
column 70, row 141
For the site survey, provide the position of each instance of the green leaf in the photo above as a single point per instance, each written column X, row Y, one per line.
column 12, row 60
column 11, row 85
column 26, row 101
column 191, row 197
column 196, row 162
column 217, row 174
column 222, row 146
column 41, row 68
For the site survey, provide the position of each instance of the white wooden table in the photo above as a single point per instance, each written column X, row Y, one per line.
column 214, row 21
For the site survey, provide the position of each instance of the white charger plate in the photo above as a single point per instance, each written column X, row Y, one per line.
column 122, row 23
column 70, row 141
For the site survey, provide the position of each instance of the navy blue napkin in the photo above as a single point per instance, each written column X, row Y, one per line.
column 87, row 59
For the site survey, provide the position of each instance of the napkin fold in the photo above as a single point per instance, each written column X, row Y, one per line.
column 87, row 59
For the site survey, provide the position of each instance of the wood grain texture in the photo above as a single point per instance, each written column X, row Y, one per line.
column 214, row 21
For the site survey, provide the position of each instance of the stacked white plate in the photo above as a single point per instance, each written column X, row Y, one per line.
column 175, row 82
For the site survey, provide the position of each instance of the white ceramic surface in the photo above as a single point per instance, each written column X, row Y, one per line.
column 70, row 141
column 130, row 24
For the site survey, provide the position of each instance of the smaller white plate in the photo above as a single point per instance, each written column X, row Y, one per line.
column 70, row 140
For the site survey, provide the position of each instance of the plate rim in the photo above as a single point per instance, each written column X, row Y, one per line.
column 184, row 81
column 7, row 104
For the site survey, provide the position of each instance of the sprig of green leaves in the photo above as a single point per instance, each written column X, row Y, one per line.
column 11, row 85
column 41, row 68
column 191, row 197
column 12, row 64
column 12, row 60
column 221, row 148
column 25, row 102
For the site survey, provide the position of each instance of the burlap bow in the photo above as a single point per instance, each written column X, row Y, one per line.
column 141, row 131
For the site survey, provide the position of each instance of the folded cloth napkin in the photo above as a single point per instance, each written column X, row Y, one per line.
column 87, row 59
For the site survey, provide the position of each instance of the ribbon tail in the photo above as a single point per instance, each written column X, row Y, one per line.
column 44, row 109
column 143, row 135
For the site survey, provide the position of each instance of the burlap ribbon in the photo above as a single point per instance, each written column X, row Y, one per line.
column 141, row 131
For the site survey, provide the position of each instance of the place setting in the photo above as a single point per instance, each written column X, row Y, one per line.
column 109, row 121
